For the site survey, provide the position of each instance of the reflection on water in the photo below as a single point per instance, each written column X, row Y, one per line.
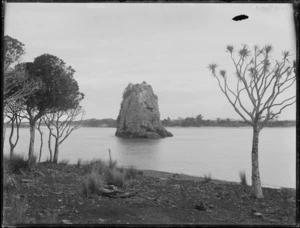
column 138, row 144
column 223, row 152
column 137, row 151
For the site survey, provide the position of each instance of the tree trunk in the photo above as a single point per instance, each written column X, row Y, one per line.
column 55, row 159
column 256, row 184
column 41, row 147
column 4, row 132
column 31, row 142
column 10, row 137
column 49, row 146
column 15, row 122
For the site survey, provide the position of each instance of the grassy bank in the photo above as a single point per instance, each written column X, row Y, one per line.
column 103, row 193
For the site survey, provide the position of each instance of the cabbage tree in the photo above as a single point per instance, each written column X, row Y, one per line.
column 260, row 92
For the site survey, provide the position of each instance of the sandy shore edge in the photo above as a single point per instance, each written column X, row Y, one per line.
column 181, row 176
column 185, row 177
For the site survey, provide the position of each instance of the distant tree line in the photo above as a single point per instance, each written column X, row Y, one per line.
column 179, row 122
column 97, row 123
column 82, row 123
column 198, row 121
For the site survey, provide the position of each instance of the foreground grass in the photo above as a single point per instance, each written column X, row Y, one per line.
column 101, row 174
column 71, row 194
column 14, row 210
column 97, row 175
column 15, row 206
column 18, row 164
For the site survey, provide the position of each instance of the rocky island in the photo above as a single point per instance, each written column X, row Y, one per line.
column 139, row 115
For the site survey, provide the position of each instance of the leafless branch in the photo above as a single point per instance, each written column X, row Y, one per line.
column 263, row 80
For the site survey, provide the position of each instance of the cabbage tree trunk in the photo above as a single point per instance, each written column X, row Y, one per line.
column 256, row 183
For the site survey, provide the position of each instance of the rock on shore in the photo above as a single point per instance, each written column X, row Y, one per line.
column 139, row 115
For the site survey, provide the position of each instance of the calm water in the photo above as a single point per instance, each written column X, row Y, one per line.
column 222, row 152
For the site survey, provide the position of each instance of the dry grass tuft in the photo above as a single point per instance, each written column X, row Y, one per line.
column 97, row 166
column 243, row 178
column 102, row 173
column 9, row 183
column 114, row 177
column 207, row 178
column 92, row 184
column 64, row 162
column 131, row 173
column 79, row 161
column 17, row 162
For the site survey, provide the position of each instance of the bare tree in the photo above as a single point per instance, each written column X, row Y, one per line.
column 61, row 125
column 259, row 94
column 17, row 85
column 13, row 114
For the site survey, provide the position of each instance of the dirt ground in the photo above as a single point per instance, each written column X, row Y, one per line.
column 54, row 195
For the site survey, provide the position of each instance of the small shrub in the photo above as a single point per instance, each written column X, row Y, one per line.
column 207, row 178
column 243, row 178
column 15, row 210
column 131, row 173
column 17, row 162
column 113, row 164
column 79, row 163
column 9, row 183
column 92, row 184
column 114, row 177
column 99, row 166
column 64, row 162
column 140, row 172
column 87, row 167
column 121, row 170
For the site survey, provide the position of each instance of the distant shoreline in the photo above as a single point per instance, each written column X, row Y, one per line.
column 178, row 123
column 213, row 126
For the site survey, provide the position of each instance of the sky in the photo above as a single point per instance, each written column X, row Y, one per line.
column 167, row 45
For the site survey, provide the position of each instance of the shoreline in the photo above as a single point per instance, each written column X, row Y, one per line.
column 186, row 177
column 181, row 176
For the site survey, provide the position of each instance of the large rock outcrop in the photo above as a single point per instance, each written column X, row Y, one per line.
column 139, row 115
